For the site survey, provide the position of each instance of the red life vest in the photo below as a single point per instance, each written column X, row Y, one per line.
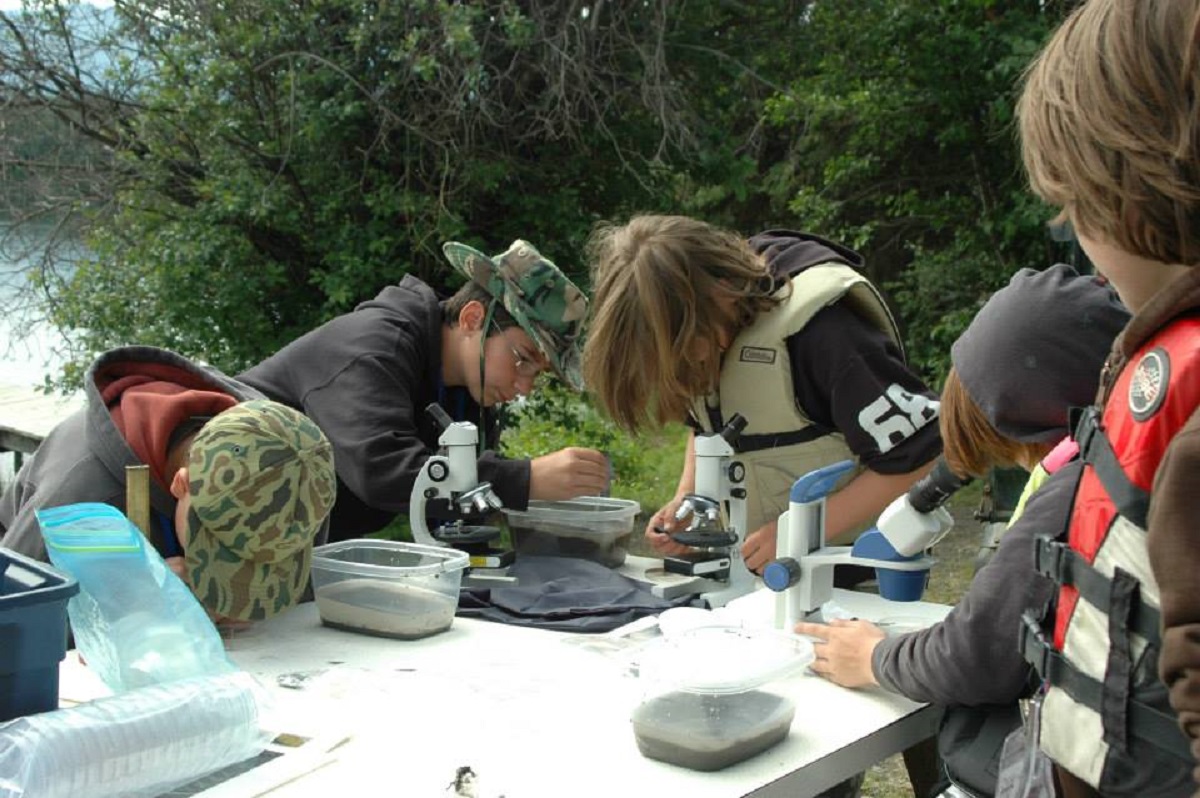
column 1105, row 716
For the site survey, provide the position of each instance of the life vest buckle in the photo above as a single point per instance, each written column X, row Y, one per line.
column 1035, row 648
column 1086, row 426
column 1050, row 559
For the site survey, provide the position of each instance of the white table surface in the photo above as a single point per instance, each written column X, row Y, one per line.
column 534, row 713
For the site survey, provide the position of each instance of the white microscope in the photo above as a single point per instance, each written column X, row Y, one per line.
column 715, row 559
column 452, row 475
column 802, row 573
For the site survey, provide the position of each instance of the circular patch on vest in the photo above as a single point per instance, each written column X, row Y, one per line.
column 1148, row 387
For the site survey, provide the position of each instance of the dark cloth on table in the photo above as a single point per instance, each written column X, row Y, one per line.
column 566, row 594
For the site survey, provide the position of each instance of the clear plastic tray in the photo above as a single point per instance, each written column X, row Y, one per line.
column 721, row 660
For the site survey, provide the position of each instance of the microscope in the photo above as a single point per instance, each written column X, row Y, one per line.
column 715, row 557
column 802, row 573
column 452, row 475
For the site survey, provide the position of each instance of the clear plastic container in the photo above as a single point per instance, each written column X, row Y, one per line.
column 709, row 697
column 387, row 588
column 140, row 743
column 596, row 528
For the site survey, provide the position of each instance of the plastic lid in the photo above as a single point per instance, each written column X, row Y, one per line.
column 723, row 659
column 372, row 557
column 580, row 508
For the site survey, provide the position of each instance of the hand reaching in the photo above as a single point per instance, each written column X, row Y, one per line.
column 661, row 523
column 567, row 474
column 759, row 548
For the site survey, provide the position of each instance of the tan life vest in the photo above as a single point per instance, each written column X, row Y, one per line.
column 781, row 444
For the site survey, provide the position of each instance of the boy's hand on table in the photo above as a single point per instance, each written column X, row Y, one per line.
column 843, row 650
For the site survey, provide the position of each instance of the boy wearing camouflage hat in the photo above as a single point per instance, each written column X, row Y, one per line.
column 367, row 376
column 240, row 488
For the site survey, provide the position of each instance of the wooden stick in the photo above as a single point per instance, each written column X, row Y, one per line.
column 137, row 496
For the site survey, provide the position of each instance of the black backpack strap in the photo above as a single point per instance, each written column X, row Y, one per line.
column 756, row 443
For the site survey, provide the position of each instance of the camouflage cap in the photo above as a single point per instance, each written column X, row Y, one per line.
column 539, row 296
column 262, row 483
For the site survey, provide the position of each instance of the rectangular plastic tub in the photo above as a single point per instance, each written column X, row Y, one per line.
column 387, row 588
column 593, row 528
column 33, row 633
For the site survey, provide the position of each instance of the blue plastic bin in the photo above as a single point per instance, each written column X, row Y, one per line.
column 33, row 633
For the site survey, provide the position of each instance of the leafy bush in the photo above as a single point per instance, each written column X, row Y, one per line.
column 645, row 469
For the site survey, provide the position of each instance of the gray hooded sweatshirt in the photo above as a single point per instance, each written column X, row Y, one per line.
column 83, row 459
column 1032, row 352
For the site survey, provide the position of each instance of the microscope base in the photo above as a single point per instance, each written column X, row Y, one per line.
column 699, row 563
column 725, row 594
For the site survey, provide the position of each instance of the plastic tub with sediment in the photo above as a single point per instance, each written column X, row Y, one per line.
column 387, row 588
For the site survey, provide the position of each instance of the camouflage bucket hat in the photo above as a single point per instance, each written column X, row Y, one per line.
column 539, row 296
column 262, row 483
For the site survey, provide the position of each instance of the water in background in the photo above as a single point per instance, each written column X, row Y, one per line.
column 30, row 348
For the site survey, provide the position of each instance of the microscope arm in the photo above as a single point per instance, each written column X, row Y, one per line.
column 452, row 476
column 433, row 475
column 802, row 573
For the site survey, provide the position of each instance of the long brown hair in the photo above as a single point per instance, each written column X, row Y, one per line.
column 665, row 289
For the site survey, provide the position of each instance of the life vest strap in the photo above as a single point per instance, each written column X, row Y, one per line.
column 1145, row 722
column 1065, row 566
column 1096, row 450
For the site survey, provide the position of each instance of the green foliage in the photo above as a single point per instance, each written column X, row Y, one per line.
column 645, row 469
column 271, row 165
column 279, row 164
column 899, row 119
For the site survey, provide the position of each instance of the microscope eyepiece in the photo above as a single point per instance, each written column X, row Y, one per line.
column 733, row 429
column 439, row 415
column 935, row 488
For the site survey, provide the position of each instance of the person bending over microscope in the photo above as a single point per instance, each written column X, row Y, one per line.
column 240, row 487
column 694, row 323
column 1034, row 350
column 367, row 376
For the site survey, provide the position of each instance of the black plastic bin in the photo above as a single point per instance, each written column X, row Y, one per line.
column 33, row 633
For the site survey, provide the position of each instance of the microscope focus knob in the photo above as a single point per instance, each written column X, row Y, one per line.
column 781, row 574
column 438, row 471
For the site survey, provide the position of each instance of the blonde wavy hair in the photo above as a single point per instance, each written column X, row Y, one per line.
column 665, row 289
column 1110, row 125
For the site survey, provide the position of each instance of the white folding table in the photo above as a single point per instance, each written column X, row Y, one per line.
column 533, row 713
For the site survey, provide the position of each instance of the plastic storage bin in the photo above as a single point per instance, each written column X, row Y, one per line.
column 386, row 587
column 593, row 528
column 33, row 633
column 710, row 697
